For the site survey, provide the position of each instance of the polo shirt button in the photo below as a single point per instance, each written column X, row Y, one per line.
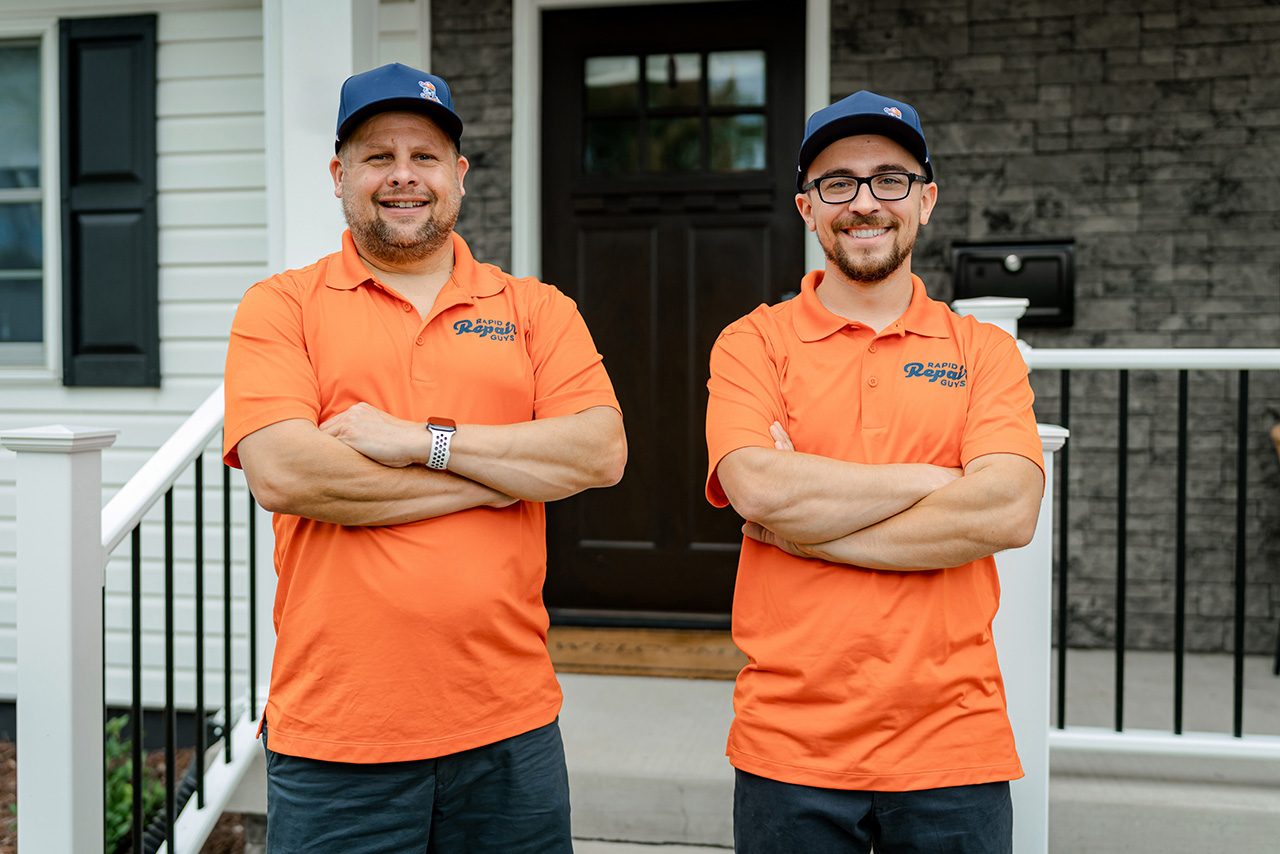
column 871, row 349
column 408, row 307
column 419, row 340
column 873, row 382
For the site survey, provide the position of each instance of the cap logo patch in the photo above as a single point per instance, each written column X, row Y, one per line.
column 893, row 111
column 429, row 91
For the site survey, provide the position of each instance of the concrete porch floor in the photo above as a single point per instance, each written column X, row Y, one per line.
column 648, row 772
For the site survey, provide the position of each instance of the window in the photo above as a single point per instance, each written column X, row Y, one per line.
column 22, row 203
column 675, row 113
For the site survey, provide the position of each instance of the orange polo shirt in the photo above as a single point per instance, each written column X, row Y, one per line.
column 860, row 678
column 417, row 640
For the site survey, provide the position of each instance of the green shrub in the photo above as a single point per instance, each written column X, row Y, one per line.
column 119, row 791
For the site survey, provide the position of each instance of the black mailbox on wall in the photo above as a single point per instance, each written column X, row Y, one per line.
column 1042, row 271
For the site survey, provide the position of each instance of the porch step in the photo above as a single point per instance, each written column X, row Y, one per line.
column 646, row 758
column 646, row 765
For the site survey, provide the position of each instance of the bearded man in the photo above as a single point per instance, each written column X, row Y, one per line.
column 405, row 411
column 881, row 449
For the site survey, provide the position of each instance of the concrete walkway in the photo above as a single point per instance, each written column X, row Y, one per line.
column 648, row 772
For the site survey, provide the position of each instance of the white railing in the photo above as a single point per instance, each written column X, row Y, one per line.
column 1137, row 742
column 64, row 540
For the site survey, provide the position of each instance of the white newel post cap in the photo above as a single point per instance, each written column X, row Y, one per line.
column 1052, row 437
column 1001, row 311
column 58, row 439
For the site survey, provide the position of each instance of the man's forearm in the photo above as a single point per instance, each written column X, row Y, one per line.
column 543, row 460
column 988, row 510
column 812, row 499
column 293, row 468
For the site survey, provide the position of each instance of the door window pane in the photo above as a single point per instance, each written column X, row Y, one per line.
column 736, row 78
column 613, row 146
column 737, row 143
column 674, row 145
column 613, row 84
column 673, row 79
column 19, row 115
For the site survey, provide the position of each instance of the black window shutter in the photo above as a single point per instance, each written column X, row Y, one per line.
column 110, row 275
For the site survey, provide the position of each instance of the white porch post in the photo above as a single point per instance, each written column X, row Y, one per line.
column 60, row 580
column 1024, row 642
column 308, row 50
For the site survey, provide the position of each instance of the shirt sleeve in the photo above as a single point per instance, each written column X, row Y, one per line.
column 568, row 371
column 744, row 397
column 269, row 376
column 1000, row 418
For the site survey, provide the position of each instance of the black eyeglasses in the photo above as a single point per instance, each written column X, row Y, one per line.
column 842, row 189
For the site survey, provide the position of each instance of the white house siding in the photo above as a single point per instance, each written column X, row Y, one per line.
column 403, row 32
column 212, row 246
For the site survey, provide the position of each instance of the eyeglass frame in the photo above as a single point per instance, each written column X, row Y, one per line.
column 816, row 183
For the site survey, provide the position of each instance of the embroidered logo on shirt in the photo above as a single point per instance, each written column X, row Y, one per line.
column 494, row 330
column 947, row 374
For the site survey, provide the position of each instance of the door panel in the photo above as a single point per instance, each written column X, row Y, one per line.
column 669, row 138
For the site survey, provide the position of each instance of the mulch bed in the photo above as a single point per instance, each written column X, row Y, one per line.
column 227, row 836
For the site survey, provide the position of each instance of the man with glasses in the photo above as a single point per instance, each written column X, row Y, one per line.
column 881, row 449
column 406, row 410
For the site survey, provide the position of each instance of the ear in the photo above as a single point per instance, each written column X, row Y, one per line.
column 463, row 165
column 805, row 207
column 336, row 171
column 928, row 198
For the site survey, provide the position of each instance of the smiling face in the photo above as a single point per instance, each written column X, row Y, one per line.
column 866, row 240
column 400, row 180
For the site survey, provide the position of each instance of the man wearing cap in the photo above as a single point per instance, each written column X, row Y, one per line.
column 881, row 449
column 405, row 411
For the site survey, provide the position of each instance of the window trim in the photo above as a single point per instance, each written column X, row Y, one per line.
column 45, row 31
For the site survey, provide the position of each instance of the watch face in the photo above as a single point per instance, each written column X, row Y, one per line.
column 442, row 423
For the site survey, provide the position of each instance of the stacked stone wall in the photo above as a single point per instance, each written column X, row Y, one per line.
column 1149, row 133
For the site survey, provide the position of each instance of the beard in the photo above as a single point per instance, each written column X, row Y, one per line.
column 868, row 268
column 400, row 246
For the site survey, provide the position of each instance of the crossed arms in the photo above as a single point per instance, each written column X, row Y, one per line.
column 360, row 467
column 896, row 517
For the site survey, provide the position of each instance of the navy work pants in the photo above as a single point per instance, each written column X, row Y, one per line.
column 511, row 796
column 770, row 817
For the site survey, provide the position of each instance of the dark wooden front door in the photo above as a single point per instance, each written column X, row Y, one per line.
column 669, row 136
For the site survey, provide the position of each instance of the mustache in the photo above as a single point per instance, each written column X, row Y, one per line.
column 861, row 222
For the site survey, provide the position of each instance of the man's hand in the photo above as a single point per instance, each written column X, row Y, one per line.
column 381, row 437
column 762, row 534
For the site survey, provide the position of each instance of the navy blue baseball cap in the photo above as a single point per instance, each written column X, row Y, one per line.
column 395, row 87
column 863, row 113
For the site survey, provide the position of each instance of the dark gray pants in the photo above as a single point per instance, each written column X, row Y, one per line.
column 511, row 796
column 783, row 818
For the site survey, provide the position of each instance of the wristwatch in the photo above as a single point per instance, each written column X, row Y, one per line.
column 441, row 430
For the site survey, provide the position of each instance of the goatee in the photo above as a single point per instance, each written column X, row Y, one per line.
column 866, row 269
column 377, row 237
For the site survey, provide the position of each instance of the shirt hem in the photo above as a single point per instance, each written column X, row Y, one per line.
column 332, row 750
column 908, row 782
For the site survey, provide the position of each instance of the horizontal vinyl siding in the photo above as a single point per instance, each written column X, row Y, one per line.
column 213, row 245
column 399, row 39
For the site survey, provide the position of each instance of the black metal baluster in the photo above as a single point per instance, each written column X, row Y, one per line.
column 199, row 581
column 170, row 719
column 1242, row 494
column 1122, row 512
column 253, row 609
column 1063, row 532
column 1180, row 559
column 226, row 612
column 135, row 695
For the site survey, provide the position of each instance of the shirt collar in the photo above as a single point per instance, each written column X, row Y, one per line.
column 474, row 279
column 813, row 321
